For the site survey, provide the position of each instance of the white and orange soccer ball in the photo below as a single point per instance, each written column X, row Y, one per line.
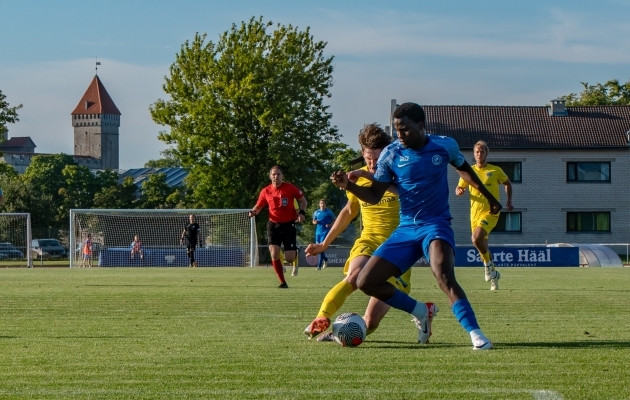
column 349, row 329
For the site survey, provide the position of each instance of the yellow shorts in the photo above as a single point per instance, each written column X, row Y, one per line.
column 485, row 220
column 365, row 246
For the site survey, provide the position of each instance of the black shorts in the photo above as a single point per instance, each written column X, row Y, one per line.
column 190, row 245
column 282, row 233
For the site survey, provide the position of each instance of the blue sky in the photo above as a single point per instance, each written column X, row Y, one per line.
column 447, row 52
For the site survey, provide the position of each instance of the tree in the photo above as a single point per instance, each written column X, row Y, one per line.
column 156, row 192
column 252, row 100
column 7, row 114
column 169, row 159
column 79, row 189
column 609, row 93
column 45, row 175
column 115, row 195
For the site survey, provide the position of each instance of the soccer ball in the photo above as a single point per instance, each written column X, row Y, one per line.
column 349, row 329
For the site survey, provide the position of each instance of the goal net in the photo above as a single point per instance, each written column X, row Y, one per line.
column 227, row 238
column 15, row 240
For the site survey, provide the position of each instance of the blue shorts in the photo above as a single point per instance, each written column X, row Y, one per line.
column 408, row 243
column 319, row 237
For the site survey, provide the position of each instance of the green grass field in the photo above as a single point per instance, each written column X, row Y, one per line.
column 148, row 333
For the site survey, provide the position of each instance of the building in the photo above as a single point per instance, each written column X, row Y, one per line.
column 96, row 123
column 569, row 167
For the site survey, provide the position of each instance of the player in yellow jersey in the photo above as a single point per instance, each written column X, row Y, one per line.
column 379, row 221
column 482, row 222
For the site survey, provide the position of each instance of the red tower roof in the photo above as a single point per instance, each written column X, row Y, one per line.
column 96, row 100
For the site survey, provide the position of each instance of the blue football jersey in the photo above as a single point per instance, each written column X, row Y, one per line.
column 421, row 177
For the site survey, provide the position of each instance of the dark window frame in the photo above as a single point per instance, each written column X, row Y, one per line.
column 575, row 218
column 510, row 172
column 573, row 172
column 501, row 223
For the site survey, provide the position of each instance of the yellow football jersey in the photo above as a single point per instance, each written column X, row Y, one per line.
column 492, row 177
column 377, row 219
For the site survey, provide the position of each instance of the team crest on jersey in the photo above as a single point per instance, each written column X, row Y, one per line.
column 488, row 174
column 437, row 160
column 403, row 158
column 285, row 201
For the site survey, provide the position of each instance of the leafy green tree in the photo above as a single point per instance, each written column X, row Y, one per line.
column 609, row 93
column 250, row 101
column 115, row 195
column 169, row 159
column 21, row 196
column 45, row 175
column 156, row 192
column 79, row 189
column 7, row 114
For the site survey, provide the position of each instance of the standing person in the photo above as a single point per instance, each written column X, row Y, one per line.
column 136, row 248
column 417, row 164
column 378, row 220
column 323, row 218
column 87, row 252
column 190, row 235
column 279, row 196
column 482, row 221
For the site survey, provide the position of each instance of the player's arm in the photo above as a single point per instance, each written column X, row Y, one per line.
column 260, row 204
column 466, row 172
column 347, row 214
column 461, row 187
column 302, row 204
column 370, row 194
column 508, row 192
column 361, row 173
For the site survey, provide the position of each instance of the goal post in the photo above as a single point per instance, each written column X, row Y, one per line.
column 227, row 238
column 15, row 240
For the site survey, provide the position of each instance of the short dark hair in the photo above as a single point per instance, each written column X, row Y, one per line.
column 373, row 137
column 413, row 111
column 324, row 200
column 276, row 167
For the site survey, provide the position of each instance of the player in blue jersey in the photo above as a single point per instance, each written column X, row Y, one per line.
column 323, row 218
column 417, row 164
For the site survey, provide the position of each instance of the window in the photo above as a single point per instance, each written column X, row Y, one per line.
column 588, row 222
column 588, row 172
column 511, row 169
column 509, row 222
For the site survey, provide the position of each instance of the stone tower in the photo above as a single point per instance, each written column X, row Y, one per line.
column 96, row 120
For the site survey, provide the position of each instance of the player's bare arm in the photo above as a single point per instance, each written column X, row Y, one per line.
column 255, row 211
column 370, row 194
column 347, row 214
column 301, row 213
column 508, row 193
column 459, row 190
column 469, row 176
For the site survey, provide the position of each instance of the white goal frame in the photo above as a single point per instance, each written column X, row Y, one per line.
column 248, row 249
column 28, row 239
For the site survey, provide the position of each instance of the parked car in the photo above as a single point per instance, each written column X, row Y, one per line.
column 47, row 248
column 8, row 251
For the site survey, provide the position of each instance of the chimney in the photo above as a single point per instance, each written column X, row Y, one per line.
column 558, row 108
column 87, row 104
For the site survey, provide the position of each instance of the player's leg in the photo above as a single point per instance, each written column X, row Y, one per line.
column 442, row 259
column 274, row 239
column 289, row 238
column 193, row 247
column 482, row 225
column 374, row 314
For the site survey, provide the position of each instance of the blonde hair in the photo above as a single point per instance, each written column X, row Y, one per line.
column 482, row 143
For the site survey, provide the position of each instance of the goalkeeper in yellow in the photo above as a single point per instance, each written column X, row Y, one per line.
column 379, row 221
column 482, row 222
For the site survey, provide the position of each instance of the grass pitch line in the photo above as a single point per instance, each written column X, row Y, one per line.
column 546, row 395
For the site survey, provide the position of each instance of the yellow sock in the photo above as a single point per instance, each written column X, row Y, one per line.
column 485, row 257
column 334, row 299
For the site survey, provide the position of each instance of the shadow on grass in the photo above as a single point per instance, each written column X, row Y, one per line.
column 567, row 345
column 390, row 344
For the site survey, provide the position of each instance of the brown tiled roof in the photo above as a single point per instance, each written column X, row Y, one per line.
column 531, row 127
column 18, row 142
column 98, row 100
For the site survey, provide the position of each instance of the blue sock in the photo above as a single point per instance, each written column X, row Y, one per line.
column 401, row 301
column 465, row 315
